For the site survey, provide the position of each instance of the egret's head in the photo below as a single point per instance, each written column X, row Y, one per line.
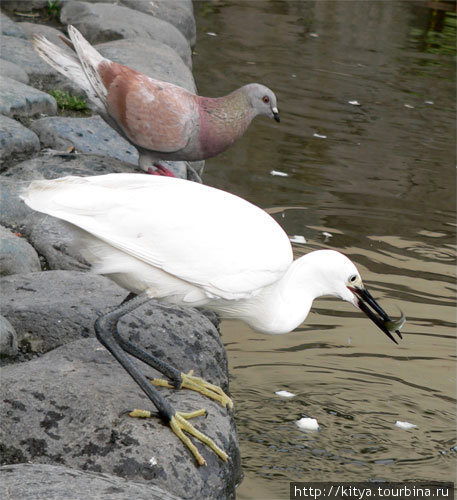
column 342, row 279
column 263, row 100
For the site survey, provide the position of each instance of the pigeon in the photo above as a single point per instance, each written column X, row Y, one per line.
column 162, row 120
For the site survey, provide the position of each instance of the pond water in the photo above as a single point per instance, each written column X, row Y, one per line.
column 366, row 149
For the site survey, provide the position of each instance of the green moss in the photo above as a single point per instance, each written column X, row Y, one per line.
column 66, row 101
column 54, row 8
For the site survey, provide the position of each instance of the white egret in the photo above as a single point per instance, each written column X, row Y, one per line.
column 192, row 245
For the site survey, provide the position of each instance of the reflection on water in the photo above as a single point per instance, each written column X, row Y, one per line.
column 367, row 140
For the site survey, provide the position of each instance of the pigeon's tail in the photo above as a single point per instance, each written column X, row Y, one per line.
column 68, row 65
column 90, row 60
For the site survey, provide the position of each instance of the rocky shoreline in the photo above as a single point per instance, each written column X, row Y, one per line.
column 65, row 430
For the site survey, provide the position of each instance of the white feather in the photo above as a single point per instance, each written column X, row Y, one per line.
column 90, row 59
column 193, row 245
column 145, row 230
column 68, row 65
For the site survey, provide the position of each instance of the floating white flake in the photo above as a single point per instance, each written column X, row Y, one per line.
column 307, row 424
column 297, row 238
column 327, row 235
column 314, row 35
column 320, row 136
column 405, row 425
column 285, row 394
column 279, row 174
column 153, row 461
column 354, row 103
column 211, row 33
column 429, row 102
column 409, row 106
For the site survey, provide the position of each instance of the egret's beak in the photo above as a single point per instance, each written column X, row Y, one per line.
column 376, row 313
column 276, row 114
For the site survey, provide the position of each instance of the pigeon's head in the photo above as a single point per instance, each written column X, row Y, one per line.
column 263, row 100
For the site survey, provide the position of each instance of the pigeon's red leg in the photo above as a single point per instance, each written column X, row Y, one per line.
column 160, row 170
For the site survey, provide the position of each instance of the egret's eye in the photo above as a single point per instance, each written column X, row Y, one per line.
column 353, row 278
column 266, row 99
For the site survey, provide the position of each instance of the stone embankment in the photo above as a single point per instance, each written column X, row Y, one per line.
column 65, row 430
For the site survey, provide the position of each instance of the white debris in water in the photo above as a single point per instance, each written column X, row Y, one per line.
column 314, row 35
column 297, row 238
column 293, row 75
column 320, row 136
column 327, row 235
column 429, row 102
column 405, row 425
column 285, row 394
column 409, row 106
column 211, row 33
column 307, row 424
column 153, row 461
column 354, row 103
column 279, row 174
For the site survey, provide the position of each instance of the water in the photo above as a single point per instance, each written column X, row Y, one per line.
column 381, row 183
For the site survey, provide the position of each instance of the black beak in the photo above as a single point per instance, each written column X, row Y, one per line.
column 376, row 313
column 276, row 116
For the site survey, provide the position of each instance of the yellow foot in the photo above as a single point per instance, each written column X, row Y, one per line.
column 179, row 423
column 199, row 385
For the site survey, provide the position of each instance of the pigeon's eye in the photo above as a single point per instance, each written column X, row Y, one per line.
column 353, row 278
column 266, row 99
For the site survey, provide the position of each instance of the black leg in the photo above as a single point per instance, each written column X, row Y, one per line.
column 165, row 368
column 107, row 333
column 179, row 379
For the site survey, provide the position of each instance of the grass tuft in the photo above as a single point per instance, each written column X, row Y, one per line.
column 54, row 8
column 66, row 101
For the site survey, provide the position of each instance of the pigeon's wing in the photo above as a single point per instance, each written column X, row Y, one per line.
column 211, row 239
column 156, row 115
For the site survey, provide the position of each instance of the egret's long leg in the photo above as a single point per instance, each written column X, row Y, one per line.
column 179, row 380
column 107, row 333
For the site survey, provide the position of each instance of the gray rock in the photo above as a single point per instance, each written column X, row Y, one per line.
column 52, row 34
column 16, row 254
column 51, row 308
column 13, row 71
column 17, row 99
column 88, row 135
column 24, row 5
column 15, row 138
column 94, row 136
column 70, row 407
column 100, row 22
column 151, row 57
column 20, row 51
column 55, row 482
column 175, row 12
column 47, row 234
column 53, row 164
column 8, row 339
column 8, row 26
column 52, row 239
column 13, row 211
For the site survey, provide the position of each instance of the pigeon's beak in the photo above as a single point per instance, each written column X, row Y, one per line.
column 367, row 304
column 276, row 114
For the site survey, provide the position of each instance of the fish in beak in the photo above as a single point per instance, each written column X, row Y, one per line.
column 366, row 303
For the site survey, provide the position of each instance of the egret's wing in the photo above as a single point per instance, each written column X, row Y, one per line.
column 202, row 235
